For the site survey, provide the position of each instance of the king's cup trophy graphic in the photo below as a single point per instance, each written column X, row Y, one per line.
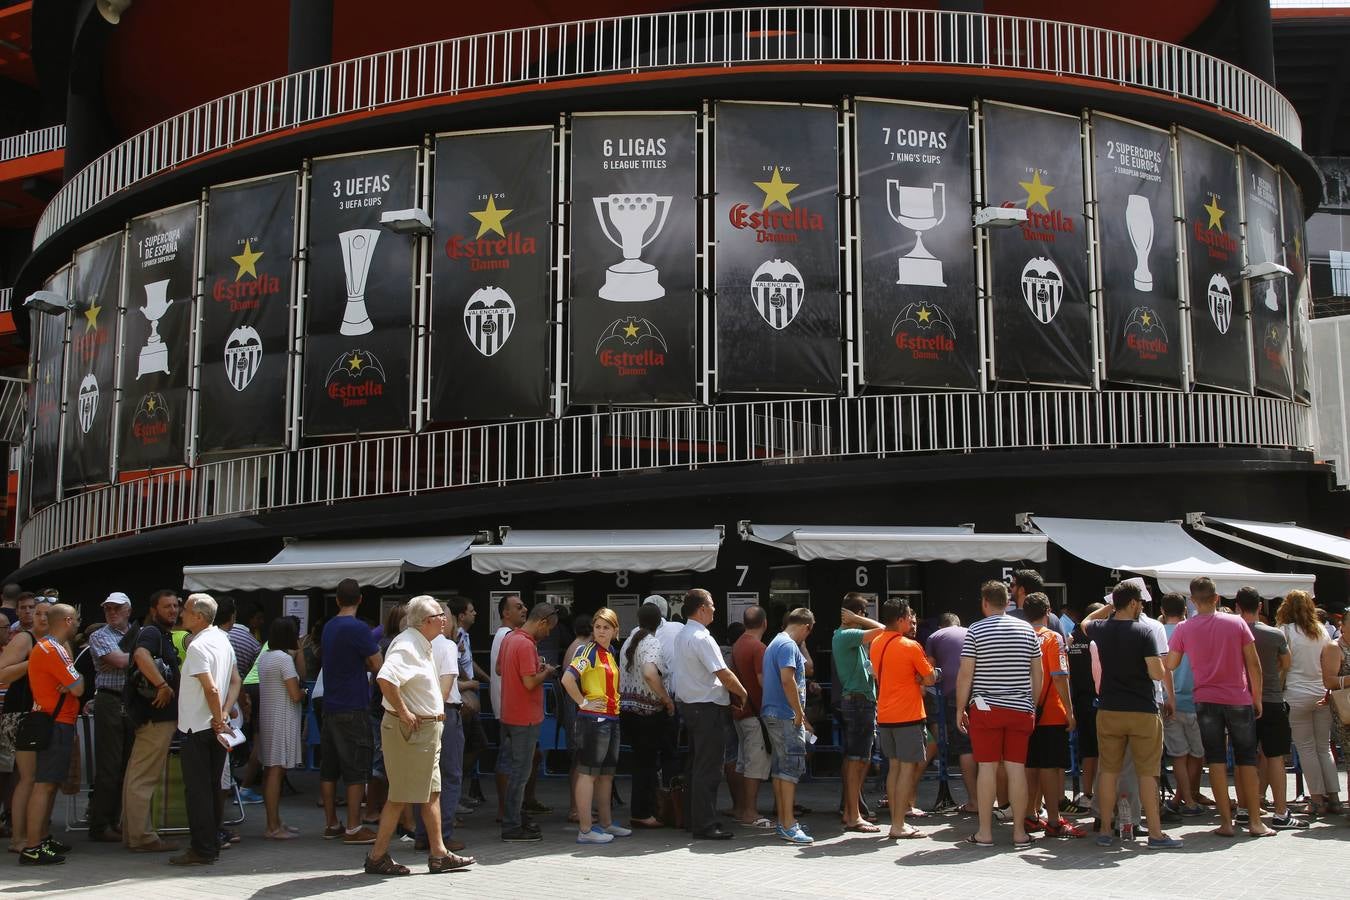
column 358, row 248
column 154, row 355
column 638, row 219
column 1139, row 224
column 919, row 209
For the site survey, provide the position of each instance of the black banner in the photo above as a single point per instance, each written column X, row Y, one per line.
column 245, row 321
column 490, row 301
column 777, row 214
column 45, row 445
column 157, row 319
column 920, row 315
column 1039, row 270
column 633, row 243
column 358, row 305
column 1220, row 339
column 1299, row 292
column 91, row 365
column 1269, row 299
column 1137, row 240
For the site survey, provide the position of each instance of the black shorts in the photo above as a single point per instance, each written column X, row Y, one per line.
column 346, row 747
column 1048, row 747
column 597, row 744
column 1272, row 729
column 1219, row 724
column 1086, row 716
column 958, row 742
column 53, row 764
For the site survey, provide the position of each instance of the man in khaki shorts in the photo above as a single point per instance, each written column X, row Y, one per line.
column 752, row 757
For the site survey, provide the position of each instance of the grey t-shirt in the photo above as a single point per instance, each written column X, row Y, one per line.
column 1271, row 644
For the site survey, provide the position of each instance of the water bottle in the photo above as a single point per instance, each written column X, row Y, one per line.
column 1125, row 818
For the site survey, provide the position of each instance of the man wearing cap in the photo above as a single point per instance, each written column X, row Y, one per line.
column 113, row 734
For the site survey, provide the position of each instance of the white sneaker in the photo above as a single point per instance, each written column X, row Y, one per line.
column 617, row 830
column 594, row 836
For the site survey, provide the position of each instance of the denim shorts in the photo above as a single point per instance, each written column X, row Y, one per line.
column 860, row 726
column 789, row 749
column 597, row 744
column 1220, row 723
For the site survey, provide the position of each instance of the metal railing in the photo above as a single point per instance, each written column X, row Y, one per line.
column 722, row 38
column 31, row 143
column 607, row 443
column 13, row 400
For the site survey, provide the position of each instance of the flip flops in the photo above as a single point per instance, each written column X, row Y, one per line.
column 862, row 827
column 910, row 834
column 971, row 843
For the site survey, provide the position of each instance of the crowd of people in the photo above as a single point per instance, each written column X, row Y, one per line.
column 1019, row 698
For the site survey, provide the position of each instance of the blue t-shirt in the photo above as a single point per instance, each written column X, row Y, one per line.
column 347, row 644
column 1183, row 682
column 782, row 653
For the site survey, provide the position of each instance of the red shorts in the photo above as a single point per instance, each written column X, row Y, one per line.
column 1000, row 734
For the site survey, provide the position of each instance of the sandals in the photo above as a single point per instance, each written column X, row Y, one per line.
column 909, row 833
column 281, row 834
column 1022, row 845
column 862, row 826
column 973, row 842
column 438, row 865
column 385, row 865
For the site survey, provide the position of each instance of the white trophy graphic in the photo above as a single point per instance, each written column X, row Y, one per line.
column 155, row 354
column 358, row 248
column 1139, row 223
column 638, row 219
column 919, row 209
column 1268, row 249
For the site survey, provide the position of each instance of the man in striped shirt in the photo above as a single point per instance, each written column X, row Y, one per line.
column 1000, row 674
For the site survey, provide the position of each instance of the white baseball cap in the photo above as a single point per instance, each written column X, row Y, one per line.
column 117, row 598
column 660, row 603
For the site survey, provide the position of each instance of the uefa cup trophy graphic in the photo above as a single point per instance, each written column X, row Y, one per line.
column 1268, row 249
column 154, row 355
column 1139, row 224
column 638, row 219
column 358, row 248
column 917, row 209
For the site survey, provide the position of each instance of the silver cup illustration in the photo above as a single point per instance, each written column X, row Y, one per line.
column 1139, row 224
column 358, row 248
column 637, row 219
column 155, row 354
column 1272, row 299
column 919, row 209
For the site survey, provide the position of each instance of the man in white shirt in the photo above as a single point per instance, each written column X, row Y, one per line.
column 208, row 689
column 445, row 650
column 704, row 687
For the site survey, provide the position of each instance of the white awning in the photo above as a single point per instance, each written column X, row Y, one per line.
column 1337, row 548
column 1161, row 550
column 866, row 543
column 655, row 550
column 378, row 562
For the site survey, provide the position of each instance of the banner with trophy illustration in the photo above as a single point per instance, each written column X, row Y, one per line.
column 157, row 317
column 920, row 316
column 245, row 316
column 358, row 302
column 1042, row 318
column 1221, row 349
column 777, row 226
column 631, row 312
column 49, row 337
column 1137, row 245
column 91, row 364
column 1269, row 298
column 490, row 297
column 1299, row 291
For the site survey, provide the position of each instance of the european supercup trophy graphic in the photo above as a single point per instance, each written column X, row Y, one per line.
column 155, row 354
column 638, row 219
column 919, row 209
column 1139, row 224
column 1268, row 248
column 358, row 248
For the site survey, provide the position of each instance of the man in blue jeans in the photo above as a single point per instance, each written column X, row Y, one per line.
column 857, row 704
column 784, row 715
column 523, row 673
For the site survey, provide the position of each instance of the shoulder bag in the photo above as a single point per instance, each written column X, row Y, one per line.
column 35, row 731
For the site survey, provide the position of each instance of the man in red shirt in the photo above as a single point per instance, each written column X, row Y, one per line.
column 902, row 671
column 752, row 759
column 56, row 687
column 523, row 672
column 1048, row 749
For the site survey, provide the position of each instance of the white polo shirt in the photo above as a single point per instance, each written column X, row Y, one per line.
column 410, row 666
column 446, row 654
column 666, row 633
column 697, row 657
column 208, row 652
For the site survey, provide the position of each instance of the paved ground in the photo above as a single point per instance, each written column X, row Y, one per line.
column 1309, row 863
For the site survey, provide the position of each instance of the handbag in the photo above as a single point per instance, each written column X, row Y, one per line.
column 1340, row 704
column 35, row 731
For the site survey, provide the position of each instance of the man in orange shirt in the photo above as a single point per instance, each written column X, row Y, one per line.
column 56, row 687
column 1048, row 749
column 902, row 670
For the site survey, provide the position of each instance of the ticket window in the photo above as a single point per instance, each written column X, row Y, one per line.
column 903, row 583
column 788, row 590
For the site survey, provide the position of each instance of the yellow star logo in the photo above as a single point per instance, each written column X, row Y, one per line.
column 1215, row 213
column 356, row 362
column 631, row 329
column 776, row 190
column 1038, row 192
column 924, row 314
column 247, row 261
column 1147, row 320
column 490, row 218
column 1298, row 247
column 91, row 315
column 149, row 404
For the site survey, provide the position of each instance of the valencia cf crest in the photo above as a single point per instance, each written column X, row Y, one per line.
column 777, row 291
column 355, row 378
column 1220, row 302
column 489, row 318
column 87, row 400
column 243, row 356
column 1042, row 288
